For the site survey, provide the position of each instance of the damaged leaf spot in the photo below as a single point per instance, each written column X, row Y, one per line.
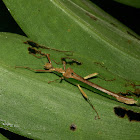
column 122, row 112
column 91, row 16
column 73, row 127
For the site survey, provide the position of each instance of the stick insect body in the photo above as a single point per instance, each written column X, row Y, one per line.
column 70, row 76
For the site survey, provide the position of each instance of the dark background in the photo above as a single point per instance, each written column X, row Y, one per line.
column 127, row 15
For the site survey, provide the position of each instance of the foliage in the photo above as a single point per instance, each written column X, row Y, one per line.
column 33, row 108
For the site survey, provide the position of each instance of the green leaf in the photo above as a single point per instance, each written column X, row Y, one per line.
column 2, row 137
column 133, row 3
column 33, row 108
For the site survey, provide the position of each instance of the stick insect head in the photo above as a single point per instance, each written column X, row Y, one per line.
column 48, row 66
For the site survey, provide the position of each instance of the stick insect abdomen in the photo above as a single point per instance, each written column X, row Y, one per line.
column 83, row 82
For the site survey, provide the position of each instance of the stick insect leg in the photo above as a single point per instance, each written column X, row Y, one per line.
column 64, row 65
column 33, row 52
column 68, row 58
column 33, row 69
column 72, row 60
column 48, row 57
column 37, row 56
column 33, row 44
column 87, row 99
column 91, row 75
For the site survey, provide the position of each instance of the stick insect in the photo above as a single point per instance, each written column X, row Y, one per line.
column 37, row 46
column 34, row 51
column 70, row 76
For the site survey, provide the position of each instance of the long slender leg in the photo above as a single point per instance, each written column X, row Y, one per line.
column 34, row 52
column 90, row 75
column 64, row 65
column 37, row 56
column 33, row 69
column 72, row 60
column 87, row 99
column 33, row 44
column 48, row 57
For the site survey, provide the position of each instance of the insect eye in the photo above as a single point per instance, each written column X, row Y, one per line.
column 72, row 74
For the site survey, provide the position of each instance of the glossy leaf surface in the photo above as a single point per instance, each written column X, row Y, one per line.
column 32, row 107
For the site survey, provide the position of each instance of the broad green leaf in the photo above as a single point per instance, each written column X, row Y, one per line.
column 2, row 137
column 133, row 3
column 32, row 107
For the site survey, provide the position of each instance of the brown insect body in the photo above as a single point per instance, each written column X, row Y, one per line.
column 69, row 73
